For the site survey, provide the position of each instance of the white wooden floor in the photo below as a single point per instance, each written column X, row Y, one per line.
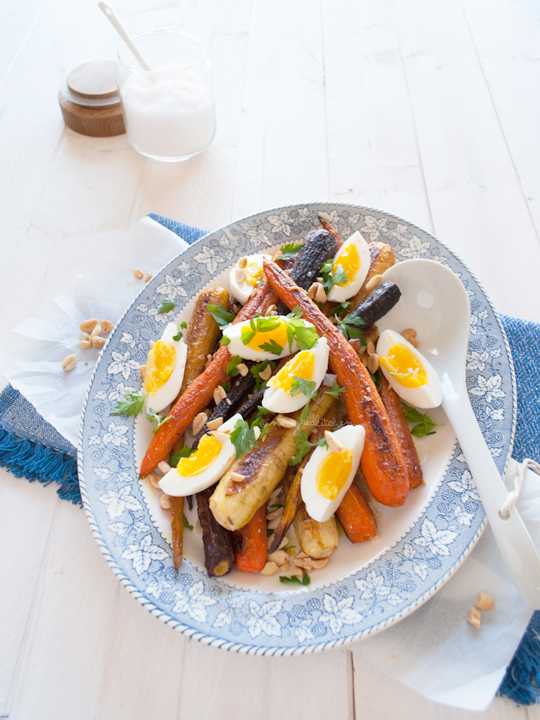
column 429, row 110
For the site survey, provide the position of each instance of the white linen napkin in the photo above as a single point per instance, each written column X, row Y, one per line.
column 435, row 651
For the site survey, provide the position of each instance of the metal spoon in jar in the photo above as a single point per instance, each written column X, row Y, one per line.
column 435, row 303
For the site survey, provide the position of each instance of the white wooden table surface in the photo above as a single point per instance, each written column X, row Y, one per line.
column 429, row 110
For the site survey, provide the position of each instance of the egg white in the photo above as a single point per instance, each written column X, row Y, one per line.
column 164, row 395
column 237, row 347
column 279, row 401
column 425, row 396
column 318, row 507
column 243, row 290
column 340, row 294
column 179, row 486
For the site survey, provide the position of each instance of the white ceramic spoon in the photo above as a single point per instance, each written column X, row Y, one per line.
column 120, row 29
column 435, row 303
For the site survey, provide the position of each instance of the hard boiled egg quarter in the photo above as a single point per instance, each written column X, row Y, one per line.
column 263, row 338
column 210, row 461
column 165, row 370
column 328, row 475
column 308, row 365
column 412, row 377
column 353, row 258
column 243, row 280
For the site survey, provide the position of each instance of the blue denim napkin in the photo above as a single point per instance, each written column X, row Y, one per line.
column 30, row 447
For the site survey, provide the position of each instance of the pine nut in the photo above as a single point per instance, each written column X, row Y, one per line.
column 364, row 359
column 333, row 443
column 240, row 275
column 85, row 344
column 278, row 512
column 320, row 279
column 106, row 326
column 229, row 402
column 219, row 436
column 304, row 563
column 165, row 502
column 95, row 332
column 286, row 422
column 148, row 277
column 142, row 371
column 198, row 423
column 474, row 617
column 242, row 262
column 410, row 336
column 69, row 363
column 283, row 543
column 154, row 479
column 372, row 284
column 285, row 567
column 257, row 432
column 253, row 292
column 320, row 297
column 373, row 363
column 138, row 274
column 266, row 374
column 271, row 310
column 313, row 290
column 219, row 394
column 164, row 467
column 270, row 569
column 98, row 342
column 85, row 336
column 319, row 564
column 208, row 360
column 242, row 369
column 370, row 348
column 301, row 555
column 237, row 478
column 280, row 557
column 88, row 325
column 214, row 424
column 484, row 601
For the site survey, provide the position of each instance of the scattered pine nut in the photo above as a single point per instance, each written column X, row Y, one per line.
column 138, row 274
column 319, row 564
column 198, row 423
column 106, row 326
column 165, row 502
column 474, row 617
column 85, row 344
column 313, row 290
column 301, row 555
column 283, row 543
column 88, row 325
column 154, row 479
column 270, row 310
column 242, row 262
column 270, row 569
column 304, row 563
column 278, row 512
column 372, row 284
column 257, row 432
column 148, row 277
column 320, row 296
column 85, row 336
column 266, row 373
column 220, row 436
column 219, row 394
column 236, row 477
column 69, row 363
column 240, row 275
column 142, row 371
column 370, row 348
column 95, row 332
column 333, row 443
column 86, row 362
column 320, row 279
column 286, row 422
column 410, row 335
column 242, row 369
column 285, row 567
column 484, row 601
column 235, row 308
column 229, row 402
column 280, row 557
column 164, row 467
column 373, row 363
column 253, row 292
column 214, row 424
column 208, row 360
column 364, row 358
column 98, row 342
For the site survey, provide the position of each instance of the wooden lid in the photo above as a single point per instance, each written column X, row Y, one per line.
column 94, row 80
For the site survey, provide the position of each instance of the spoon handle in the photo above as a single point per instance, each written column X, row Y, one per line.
column 120, row 29
column 514, row 542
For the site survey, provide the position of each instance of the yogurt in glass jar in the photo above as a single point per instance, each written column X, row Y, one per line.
column 169, row 112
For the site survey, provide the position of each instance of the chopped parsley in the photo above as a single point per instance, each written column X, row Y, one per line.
column 232, row 367
column 350, row 327
column 259, row 420
column 306, row 387
column 256, row 371
column 289, row 250
column 259, row 324
column 332, row 276
column 376, row 377
column 167, row 305
column 243, row 438
column 186, row 523
column 179, row 335
column 305, row 335
column 272, row 347
column 133, row 403
column 335, row 391
column 303, row 446
column 225, row 340
column 183, row 453
column 221, row 316
column 295, row 579
column 424, row 424
column 154, row 417
column 340, row 309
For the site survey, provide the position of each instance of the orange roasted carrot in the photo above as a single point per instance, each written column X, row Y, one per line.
column 356, row 517
column 394, row 408
column 199, row 393
column 250, row 544
column 382, row 463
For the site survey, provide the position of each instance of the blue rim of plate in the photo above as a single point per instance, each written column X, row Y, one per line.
column 367, row 601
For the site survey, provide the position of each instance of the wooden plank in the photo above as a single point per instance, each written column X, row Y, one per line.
column 18, row 19
column 373, row 154
column 507, row 38
column 476, row 201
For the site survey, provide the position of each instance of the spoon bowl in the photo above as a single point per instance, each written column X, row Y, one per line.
column 435, row 303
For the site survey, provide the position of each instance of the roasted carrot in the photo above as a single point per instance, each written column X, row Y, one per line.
column 217, row 542
column 177, row 526
column 250, row 545
column 326, row 225
column 199, row 393
column 382, row 463
column 381, row 259
column 356, row 517
column 394, row 408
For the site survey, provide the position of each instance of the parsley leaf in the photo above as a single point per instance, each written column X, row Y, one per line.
column 322, row 442
column 269, row 532
column 304, row 414
column 376, row 377
column 296, row 312
column 183, row 453
column 133, row 404
column 425, row 424
column 179, row 335
column 333, row 275
column 341, row 308
column 272, row 347
column 259, row 324
column 256, row 371
column 167, row 305
column 350, row 327
column 289, row 250
column 303, row 446
column 232, row 370
column 306, row 387
column 154, row 417
column 295, row 579
column 221, row 316
column 186, row 523
column 225, row 340
column 243, row 438
column 335, row 391
column 259, row 420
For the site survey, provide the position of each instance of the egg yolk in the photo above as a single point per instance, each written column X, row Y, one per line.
column 278, row 334
column 333, row 473
column 349, row 259
column 404, row 366
column 208, row 450
column 302, row 366
column 254, row 273
column 160, row 366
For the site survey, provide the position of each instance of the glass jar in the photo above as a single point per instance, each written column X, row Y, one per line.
column 169, row 112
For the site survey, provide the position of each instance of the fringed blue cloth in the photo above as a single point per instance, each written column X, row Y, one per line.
column 30, row 447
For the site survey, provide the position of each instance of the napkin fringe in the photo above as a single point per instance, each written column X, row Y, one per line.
column 522, row 680
column 35, row 461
